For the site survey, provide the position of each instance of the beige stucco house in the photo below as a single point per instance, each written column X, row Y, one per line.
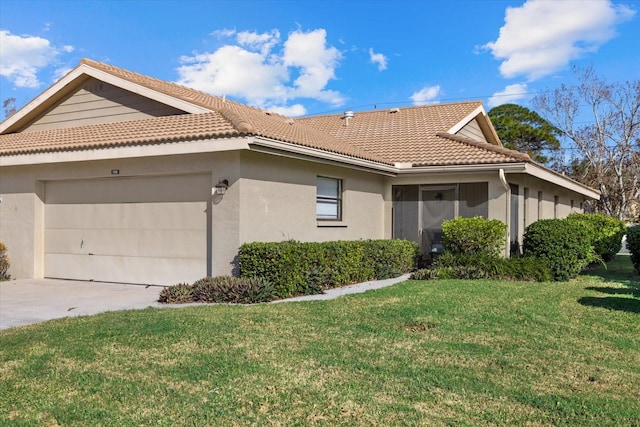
column 110, row 175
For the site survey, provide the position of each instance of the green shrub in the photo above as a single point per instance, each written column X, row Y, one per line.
column 389, row 258
column 604, row 232
column 177, row 294
column 633, row 244
column 297, row 268
column 563, row 245
column 475, row 235
column 4, row 263
column 484, row 266
column 237, row 290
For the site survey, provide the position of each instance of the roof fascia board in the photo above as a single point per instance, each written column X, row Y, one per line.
column 144, row 91
column 270, row 146
column 483, row 121
column 462, row 123
column 490, row 167
column 40, row 99
column 559, row 179
column 162, row 149
column 87, row 70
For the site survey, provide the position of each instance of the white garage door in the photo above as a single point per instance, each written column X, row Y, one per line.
column 150, row 230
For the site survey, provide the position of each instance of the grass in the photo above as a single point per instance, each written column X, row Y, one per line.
column 436, row 353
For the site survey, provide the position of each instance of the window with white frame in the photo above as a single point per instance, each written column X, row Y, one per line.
column 328, row 199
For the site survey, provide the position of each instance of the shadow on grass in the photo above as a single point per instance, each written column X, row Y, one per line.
column 618, row 271
column 630, row 305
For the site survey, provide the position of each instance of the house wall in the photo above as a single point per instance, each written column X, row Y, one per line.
column 99, row 102
column 540, row 199
column 270, row 198
column 22, row 211
column 278, row 201
column 472, row 130
column 497, row 199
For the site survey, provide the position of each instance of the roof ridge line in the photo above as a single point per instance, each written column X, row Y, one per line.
column 236, row 120
column 484, row 145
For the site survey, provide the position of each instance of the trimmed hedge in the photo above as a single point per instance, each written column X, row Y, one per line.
column 633, row 244
column 483, row 266
column 605, row 233
column 4, row 263
column 304, row 268
column 563, row 245
column 475, row 235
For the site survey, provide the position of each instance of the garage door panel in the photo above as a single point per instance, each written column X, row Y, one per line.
column 165, row 271
column 177, row 188
column 151, row 243
column 135, row 216
column 150, row 230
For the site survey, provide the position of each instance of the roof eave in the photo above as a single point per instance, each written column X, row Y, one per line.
column 272, row 146
column 40, row 103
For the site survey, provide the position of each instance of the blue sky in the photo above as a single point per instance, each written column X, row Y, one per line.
column 312, row 57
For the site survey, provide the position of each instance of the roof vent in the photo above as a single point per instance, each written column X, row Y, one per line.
column 394, row 110
column 348, row 115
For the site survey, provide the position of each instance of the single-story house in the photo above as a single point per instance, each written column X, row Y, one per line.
column 110, row 175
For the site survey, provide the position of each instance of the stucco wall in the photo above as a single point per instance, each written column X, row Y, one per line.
column 22, row 211
column 539, row 199
column 278, row 201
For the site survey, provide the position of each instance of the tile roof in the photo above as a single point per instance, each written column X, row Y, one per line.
column 415, row 135
column 135, row 132
column 241, row 118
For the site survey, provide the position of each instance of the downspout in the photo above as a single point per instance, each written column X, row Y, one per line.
column 505, row 184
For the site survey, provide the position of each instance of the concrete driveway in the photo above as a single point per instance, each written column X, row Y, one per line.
column 23, row 302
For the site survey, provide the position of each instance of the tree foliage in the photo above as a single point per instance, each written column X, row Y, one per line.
column 9, row 106
column 526, row 131
column 602, row 120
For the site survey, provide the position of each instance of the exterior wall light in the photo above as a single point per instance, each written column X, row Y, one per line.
column 221, row 187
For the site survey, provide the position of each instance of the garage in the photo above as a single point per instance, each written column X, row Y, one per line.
column 146, row 230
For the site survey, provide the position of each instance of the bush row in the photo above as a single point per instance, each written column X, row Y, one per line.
column 633, row 244
column 304, row 268
column 483, row 266
column 222, row 289
column 4, row 262
column 604, row 232
column 563, row 246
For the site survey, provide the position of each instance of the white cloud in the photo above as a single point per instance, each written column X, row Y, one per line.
column 251, row 69
column 22, row 57
column 541, row 36
column 426, row 95
column 291, row 111
column 378, row 58
column 259, row 42
column 225, row 32
column 510, row 94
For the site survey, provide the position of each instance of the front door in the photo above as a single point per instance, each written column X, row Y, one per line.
column 438, row 204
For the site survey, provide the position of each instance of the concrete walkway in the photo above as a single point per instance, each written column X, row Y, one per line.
column 28, row 301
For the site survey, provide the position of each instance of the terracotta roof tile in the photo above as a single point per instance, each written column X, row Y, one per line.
column 247, row 119
column 136, row 132
column 415, row 135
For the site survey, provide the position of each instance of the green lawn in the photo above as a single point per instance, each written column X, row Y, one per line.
column 436, row 353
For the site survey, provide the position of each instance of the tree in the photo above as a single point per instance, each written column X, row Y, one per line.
column 602, row 121
column 524, row 130
column 9, row 106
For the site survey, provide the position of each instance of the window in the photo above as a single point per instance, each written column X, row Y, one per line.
column 329, row 199
column 556, row 204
